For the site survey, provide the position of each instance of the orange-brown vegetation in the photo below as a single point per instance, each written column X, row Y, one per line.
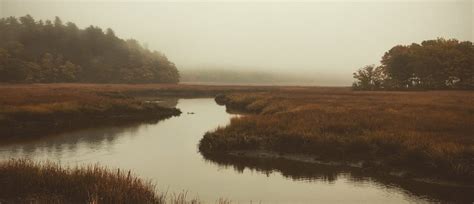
column 418, row 133
column 29, row 110
column 24, row 181
column 26, row 110
column 22, row 94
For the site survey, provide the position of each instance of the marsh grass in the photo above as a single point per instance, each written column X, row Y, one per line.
column 26, row 110
column 25, row 181
column 429, row 133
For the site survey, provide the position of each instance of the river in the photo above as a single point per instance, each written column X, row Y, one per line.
column 167, row 154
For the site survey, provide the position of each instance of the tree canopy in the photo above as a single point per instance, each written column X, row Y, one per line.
column 51, row 51
column 433, row 64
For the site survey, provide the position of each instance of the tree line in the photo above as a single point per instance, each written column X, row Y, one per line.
column 51, row 51
column 433, row 64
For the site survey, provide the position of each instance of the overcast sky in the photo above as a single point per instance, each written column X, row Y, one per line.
column 329, row 38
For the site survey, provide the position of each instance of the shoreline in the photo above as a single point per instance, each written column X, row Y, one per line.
column 37, row 126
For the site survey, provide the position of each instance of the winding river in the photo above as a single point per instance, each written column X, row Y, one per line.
column 167, row 154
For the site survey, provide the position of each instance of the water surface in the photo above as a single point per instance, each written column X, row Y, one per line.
column 167, row 153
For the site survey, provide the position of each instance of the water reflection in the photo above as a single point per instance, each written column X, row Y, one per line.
column 166, row 152
column 54, row 146
column 90, row 127
column 300, row 171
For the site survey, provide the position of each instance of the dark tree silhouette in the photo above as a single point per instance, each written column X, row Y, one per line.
column 370, row 77
column 433, row 64
column 51, row 51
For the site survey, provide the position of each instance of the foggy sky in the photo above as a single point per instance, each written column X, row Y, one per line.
column 330, row 39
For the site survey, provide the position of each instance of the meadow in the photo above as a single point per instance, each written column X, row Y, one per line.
column 28, row 111
column 426, row 134
column 31, row 110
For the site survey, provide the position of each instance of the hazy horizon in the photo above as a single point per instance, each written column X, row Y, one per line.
column 329, row 39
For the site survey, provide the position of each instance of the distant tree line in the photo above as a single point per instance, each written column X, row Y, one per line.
column 433, row 64
column 240, row 76
column 51, row 51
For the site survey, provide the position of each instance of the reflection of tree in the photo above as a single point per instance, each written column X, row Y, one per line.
column 327, row 173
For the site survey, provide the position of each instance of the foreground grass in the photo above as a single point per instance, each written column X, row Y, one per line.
column 428, row 134
column 23, row 181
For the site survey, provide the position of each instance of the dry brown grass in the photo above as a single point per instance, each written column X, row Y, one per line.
column 29, row 110
column 24, row 94
column 25, row 181
column 430, row 132
column 41, row 108
column 96, row 98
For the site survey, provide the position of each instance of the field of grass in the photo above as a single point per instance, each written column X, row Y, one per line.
column 23, row 181
column 428, row 134
column 29, row 110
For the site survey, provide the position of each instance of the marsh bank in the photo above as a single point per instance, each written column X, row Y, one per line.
column 166, row 153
